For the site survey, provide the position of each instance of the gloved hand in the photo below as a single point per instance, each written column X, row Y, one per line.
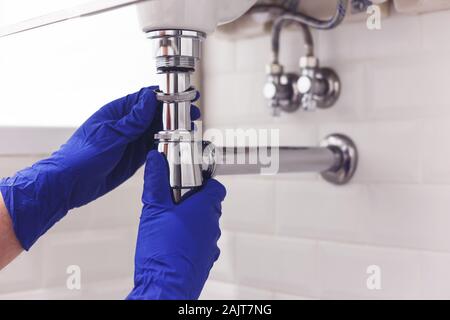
column 104, row 152
column 177, row 243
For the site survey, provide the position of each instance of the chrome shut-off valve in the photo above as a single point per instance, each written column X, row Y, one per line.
column 311, row 88
column 318, row 87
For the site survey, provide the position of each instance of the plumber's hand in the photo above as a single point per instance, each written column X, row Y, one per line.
column 177, row 243
column 104, row 152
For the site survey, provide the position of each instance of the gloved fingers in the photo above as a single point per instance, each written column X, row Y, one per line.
column 139, row 119
column 131, row 100
column 219, row 233
column 124, row 106
column 195, row 113
column 135, row 155
column 216, row 254
column 197, row 96
column 211, row 194
column 214, row 189
column 119, row 108
column 156, row 181
column 136, row 152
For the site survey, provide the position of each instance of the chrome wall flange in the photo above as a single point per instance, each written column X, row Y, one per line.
column 333, row 88
column 345, row 146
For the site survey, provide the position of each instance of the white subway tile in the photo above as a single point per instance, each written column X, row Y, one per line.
column 220, row 98
column 352, row 103
column 279, row 264
column 24, row 273
column 78, row 219
column 289, row 134
column 433, row 25
column 284, row 296
column 9, row 165
column 399, row 36
column 44, row 294
column 251, row 104
column 219, row 55
column 249, row 205
column 407, row 87
column 406, row 216
column 320, row 210
column 120, row 208
column 252, row 54
column 215, row 290
column 224, row 268
column 343, row 272
column 249, row 293
column 386, row 151
column 435, row 277
column 115, row 289
column 101, row 255
column 435, row 151
column 411, row 216
column 32, row 140
column 103, row 290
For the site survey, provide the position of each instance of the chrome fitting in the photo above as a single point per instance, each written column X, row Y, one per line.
column 308, row 62
column 313, row 87
column 274, row 69
column 176, row 53
column 176, row 48
column 336, row 159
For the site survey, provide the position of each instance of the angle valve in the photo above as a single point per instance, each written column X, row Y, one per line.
column 313, row 87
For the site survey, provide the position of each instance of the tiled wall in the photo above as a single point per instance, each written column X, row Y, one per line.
column 295, row 235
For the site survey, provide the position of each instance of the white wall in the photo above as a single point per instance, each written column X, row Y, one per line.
column 297, row 236
column 60, row 74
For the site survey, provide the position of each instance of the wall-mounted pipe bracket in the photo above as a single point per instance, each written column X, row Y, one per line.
column 343, row 173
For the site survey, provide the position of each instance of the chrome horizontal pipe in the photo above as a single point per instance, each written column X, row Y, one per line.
column 336, row 159
column 272, row 160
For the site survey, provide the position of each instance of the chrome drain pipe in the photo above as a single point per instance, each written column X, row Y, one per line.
column 336, row 159
column 177, row 53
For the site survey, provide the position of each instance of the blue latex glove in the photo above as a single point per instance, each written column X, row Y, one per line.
column 104, row 152
column 177, row 243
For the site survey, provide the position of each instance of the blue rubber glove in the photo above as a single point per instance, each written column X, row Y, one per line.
column 104, row 152
column 177, row 243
